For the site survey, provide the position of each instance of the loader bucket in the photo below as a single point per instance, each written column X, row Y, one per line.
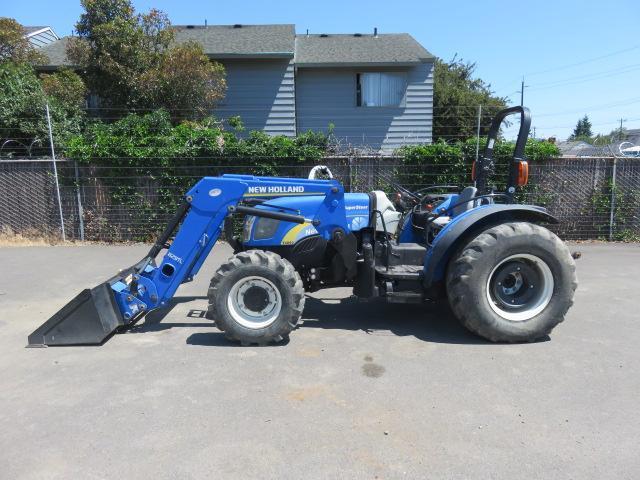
column 88, row 319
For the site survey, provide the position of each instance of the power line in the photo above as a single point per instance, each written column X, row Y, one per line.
column 582, row 62
column 575, row 64
column 618, row 103
column 586, row 78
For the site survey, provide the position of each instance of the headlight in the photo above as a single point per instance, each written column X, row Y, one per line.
column 246, row 229
column 265, row 228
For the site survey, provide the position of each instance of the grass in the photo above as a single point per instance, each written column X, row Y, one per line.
column 27, row 238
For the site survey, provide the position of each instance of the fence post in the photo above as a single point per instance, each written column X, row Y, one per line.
column 478, row 132
column 55, row 173
column 613, row 198
column 80, row 211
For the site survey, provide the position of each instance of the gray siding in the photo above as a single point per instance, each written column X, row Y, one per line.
column 328, row 95
column 262, row 92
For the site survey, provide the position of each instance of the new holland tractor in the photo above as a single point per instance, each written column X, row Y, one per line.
column 506, row 276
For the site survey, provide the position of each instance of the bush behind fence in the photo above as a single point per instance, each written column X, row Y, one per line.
column 594, row 198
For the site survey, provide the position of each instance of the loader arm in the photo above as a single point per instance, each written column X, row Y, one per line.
column 96, row 313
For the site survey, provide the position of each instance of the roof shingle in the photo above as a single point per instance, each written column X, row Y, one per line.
column 350, row 49
column 229, row 41
column 56, row 52
column 223, row 41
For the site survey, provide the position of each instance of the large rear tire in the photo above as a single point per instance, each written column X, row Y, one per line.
column 512, row 283
column 256, row 297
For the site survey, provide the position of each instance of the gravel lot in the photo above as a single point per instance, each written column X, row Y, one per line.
column 362, row 390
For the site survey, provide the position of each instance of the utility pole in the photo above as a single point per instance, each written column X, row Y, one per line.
column 478, row 132
column 620, row 131
column 522, row 87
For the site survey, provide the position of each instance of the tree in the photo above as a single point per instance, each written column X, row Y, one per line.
column 66, row 88
column 185, row 82
column 23, row 124
column 14, row 46
column 615, row 135
column 582, row 130
column 457, row 94
column 131, row 61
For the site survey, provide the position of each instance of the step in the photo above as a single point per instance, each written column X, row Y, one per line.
column 404, row 297
column 401, row 272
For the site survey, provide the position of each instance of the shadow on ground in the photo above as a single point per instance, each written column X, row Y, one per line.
column 153, row 320
column 431, row 322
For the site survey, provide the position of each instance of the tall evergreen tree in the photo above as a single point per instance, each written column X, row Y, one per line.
column 582, row 130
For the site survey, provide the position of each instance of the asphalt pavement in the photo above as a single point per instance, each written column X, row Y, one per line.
column 361, row 390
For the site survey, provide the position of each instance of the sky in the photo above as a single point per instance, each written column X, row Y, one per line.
column 577, row 57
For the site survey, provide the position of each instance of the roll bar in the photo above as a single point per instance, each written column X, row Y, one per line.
column 486, row 165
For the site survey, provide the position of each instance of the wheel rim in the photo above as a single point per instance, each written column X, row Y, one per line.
column 520, row 287
column 254, row 302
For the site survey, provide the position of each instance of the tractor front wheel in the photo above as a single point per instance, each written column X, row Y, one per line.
column 256, row 297
column 512, row 283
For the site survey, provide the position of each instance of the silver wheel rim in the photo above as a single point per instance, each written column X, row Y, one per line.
column 254, row 302
column 520, row 287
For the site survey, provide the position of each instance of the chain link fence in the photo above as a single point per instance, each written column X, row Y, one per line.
column 594, row 198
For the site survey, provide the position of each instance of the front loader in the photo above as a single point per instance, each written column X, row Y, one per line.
column 507, row 278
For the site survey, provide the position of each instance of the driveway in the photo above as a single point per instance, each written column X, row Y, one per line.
column 362, row 390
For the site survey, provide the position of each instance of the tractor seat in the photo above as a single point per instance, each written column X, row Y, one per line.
column 467, row 194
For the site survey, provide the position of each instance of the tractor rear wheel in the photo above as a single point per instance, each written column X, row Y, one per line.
column 513, row 282
column 256, row 297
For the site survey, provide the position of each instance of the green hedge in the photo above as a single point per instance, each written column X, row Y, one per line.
column 450, row 164
column 139, row 152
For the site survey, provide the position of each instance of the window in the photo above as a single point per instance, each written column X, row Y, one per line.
column 380, row 89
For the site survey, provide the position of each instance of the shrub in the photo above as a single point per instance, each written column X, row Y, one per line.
column 22, row 109
column 147, row 163
column 450, row 164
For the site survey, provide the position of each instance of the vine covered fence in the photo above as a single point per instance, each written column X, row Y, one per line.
column 594, row 198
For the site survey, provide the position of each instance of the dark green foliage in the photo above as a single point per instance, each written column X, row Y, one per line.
column 132, row 62
column 152, row 135
column 456, row 96
column 14, row 46
column 146, row 163
column 66, row 87
column 582, row 130
column 450, row 164
column 23, row 121
column 625, row 204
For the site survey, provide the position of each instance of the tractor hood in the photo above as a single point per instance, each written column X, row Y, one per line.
column 260, row 232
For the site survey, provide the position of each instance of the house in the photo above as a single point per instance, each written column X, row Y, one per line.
column 580, row 148
column 39, row 36
column 374, row 90
column 628, row 146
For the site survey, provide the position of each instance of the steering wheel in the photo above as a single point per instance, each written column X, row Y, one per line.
column 428, row 197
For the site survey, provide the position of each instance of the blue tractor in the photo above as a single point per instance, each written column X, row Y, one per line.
column 506, row 277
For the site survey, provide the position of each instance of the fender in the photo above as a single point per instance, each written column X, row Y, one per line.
column 467, row 225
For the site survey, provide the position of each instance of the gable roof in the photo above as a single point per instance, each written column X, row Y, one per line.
column 56, row 53
column 30, row 29
column 579, row 148
column 280, row 41
column 229, row 41
column 39, row 35
column 359, row 49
